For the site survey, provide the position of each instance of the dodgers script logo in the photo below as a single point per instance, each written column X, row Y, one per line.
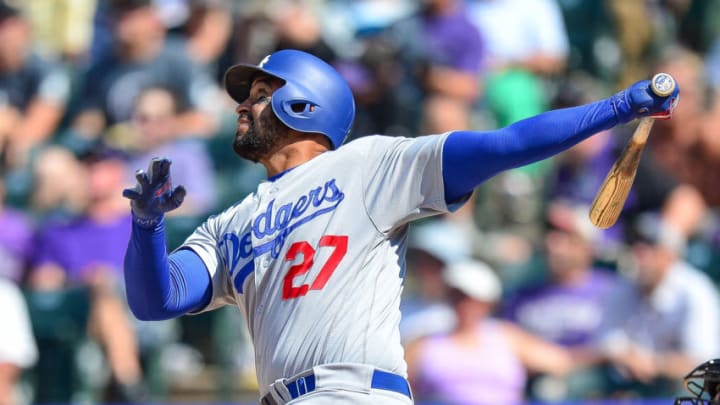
column 276, row 223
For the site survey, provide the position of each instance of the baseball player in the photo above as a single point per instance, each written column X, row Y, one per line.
column 315, row 257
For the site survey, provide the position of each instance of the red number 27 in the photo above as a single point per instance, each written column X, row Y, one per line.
column 339, row 242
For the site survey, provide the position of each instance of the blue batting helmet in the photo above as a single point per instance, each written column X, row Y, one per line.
column 314, row 97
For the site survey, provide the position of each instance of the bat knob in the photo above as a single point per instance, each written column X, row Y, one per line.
column 662, row 84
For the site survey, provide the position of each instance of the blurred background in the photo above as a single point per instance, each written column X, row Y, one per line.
column 517, row 296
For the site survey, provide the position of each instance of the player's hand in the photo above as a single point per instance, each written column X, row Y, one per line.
column 639, row 100
column 154, row 195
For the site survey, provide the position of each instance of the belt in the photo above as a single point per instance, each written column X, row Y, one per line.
column 381, row 380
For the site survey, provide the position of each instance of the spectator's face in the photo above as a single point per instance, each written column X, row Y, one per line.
column 107, row 178
column 138, row 26
column 14, row 43
column 297, row 26
column 652, row 262
column 427, row 270
column 688, row 74
column 152, row 117
column 259, row 132
column 567, row 253
column 60, row 180
column 469, row 310
column 567, row 245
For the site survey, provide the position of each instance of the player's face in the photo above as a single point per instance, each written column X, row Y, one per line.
column 259, row 131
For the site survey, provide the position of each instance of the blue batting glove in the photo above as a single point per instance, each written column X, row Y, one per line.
column 154, row 195
column 639, row 100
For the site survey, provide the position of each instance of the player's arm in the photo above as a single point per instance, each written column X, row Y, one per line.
column 160, row 286
column 471, row 157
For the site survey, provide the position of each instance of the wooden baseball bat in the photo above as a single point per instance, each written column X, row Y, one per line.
column 613, row 193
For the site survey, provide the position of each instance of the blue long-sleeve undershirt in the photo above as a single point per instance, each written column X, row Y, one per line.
column 162, row 287
column 470, row 157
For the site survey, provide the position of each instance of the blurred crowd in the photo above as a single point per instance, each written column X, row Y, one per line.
column 516, row 297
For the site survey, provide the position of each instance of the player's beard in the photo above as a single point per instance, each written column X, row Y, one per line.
column 262, row 139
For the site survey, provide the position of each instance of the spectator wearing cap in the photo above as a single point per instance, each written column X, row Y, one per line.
column 432, row 246
column 97, row 235
column 86, row 252
column 33, row 91
column 666, row 320
column 142, row 57
column 483, row 360
column 569, row 305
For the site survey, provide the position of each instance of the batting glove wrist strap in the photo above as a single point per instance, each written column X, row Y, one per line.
column 153, row 195
column 147, row 223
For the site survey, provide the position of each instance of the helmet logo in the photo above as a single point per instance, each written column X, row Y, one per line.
column 264, row 61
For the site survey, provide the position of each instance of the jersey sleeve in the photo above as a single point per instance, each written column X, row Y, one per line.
column 402, row 180
column 204, row 242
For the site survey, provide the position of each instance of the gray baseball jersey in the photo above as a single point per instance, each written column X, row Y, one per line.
column 315, row 257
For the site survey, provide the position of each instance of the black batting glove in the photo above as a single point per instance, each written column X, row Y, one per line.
column 153, row 195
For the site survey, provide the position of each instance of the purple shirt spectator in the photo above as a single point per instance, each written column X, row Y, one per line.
column 569, row 315
column 446, row 39
column 453, row 41
column 15, row 243
column 486, row 373
column 81, row 245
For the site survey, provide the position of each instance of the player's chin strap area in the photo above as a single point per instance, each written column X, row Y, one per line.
column 352, row 377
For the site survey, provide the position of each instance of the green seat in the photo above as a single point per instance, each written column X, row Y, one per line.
column 59, row 321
